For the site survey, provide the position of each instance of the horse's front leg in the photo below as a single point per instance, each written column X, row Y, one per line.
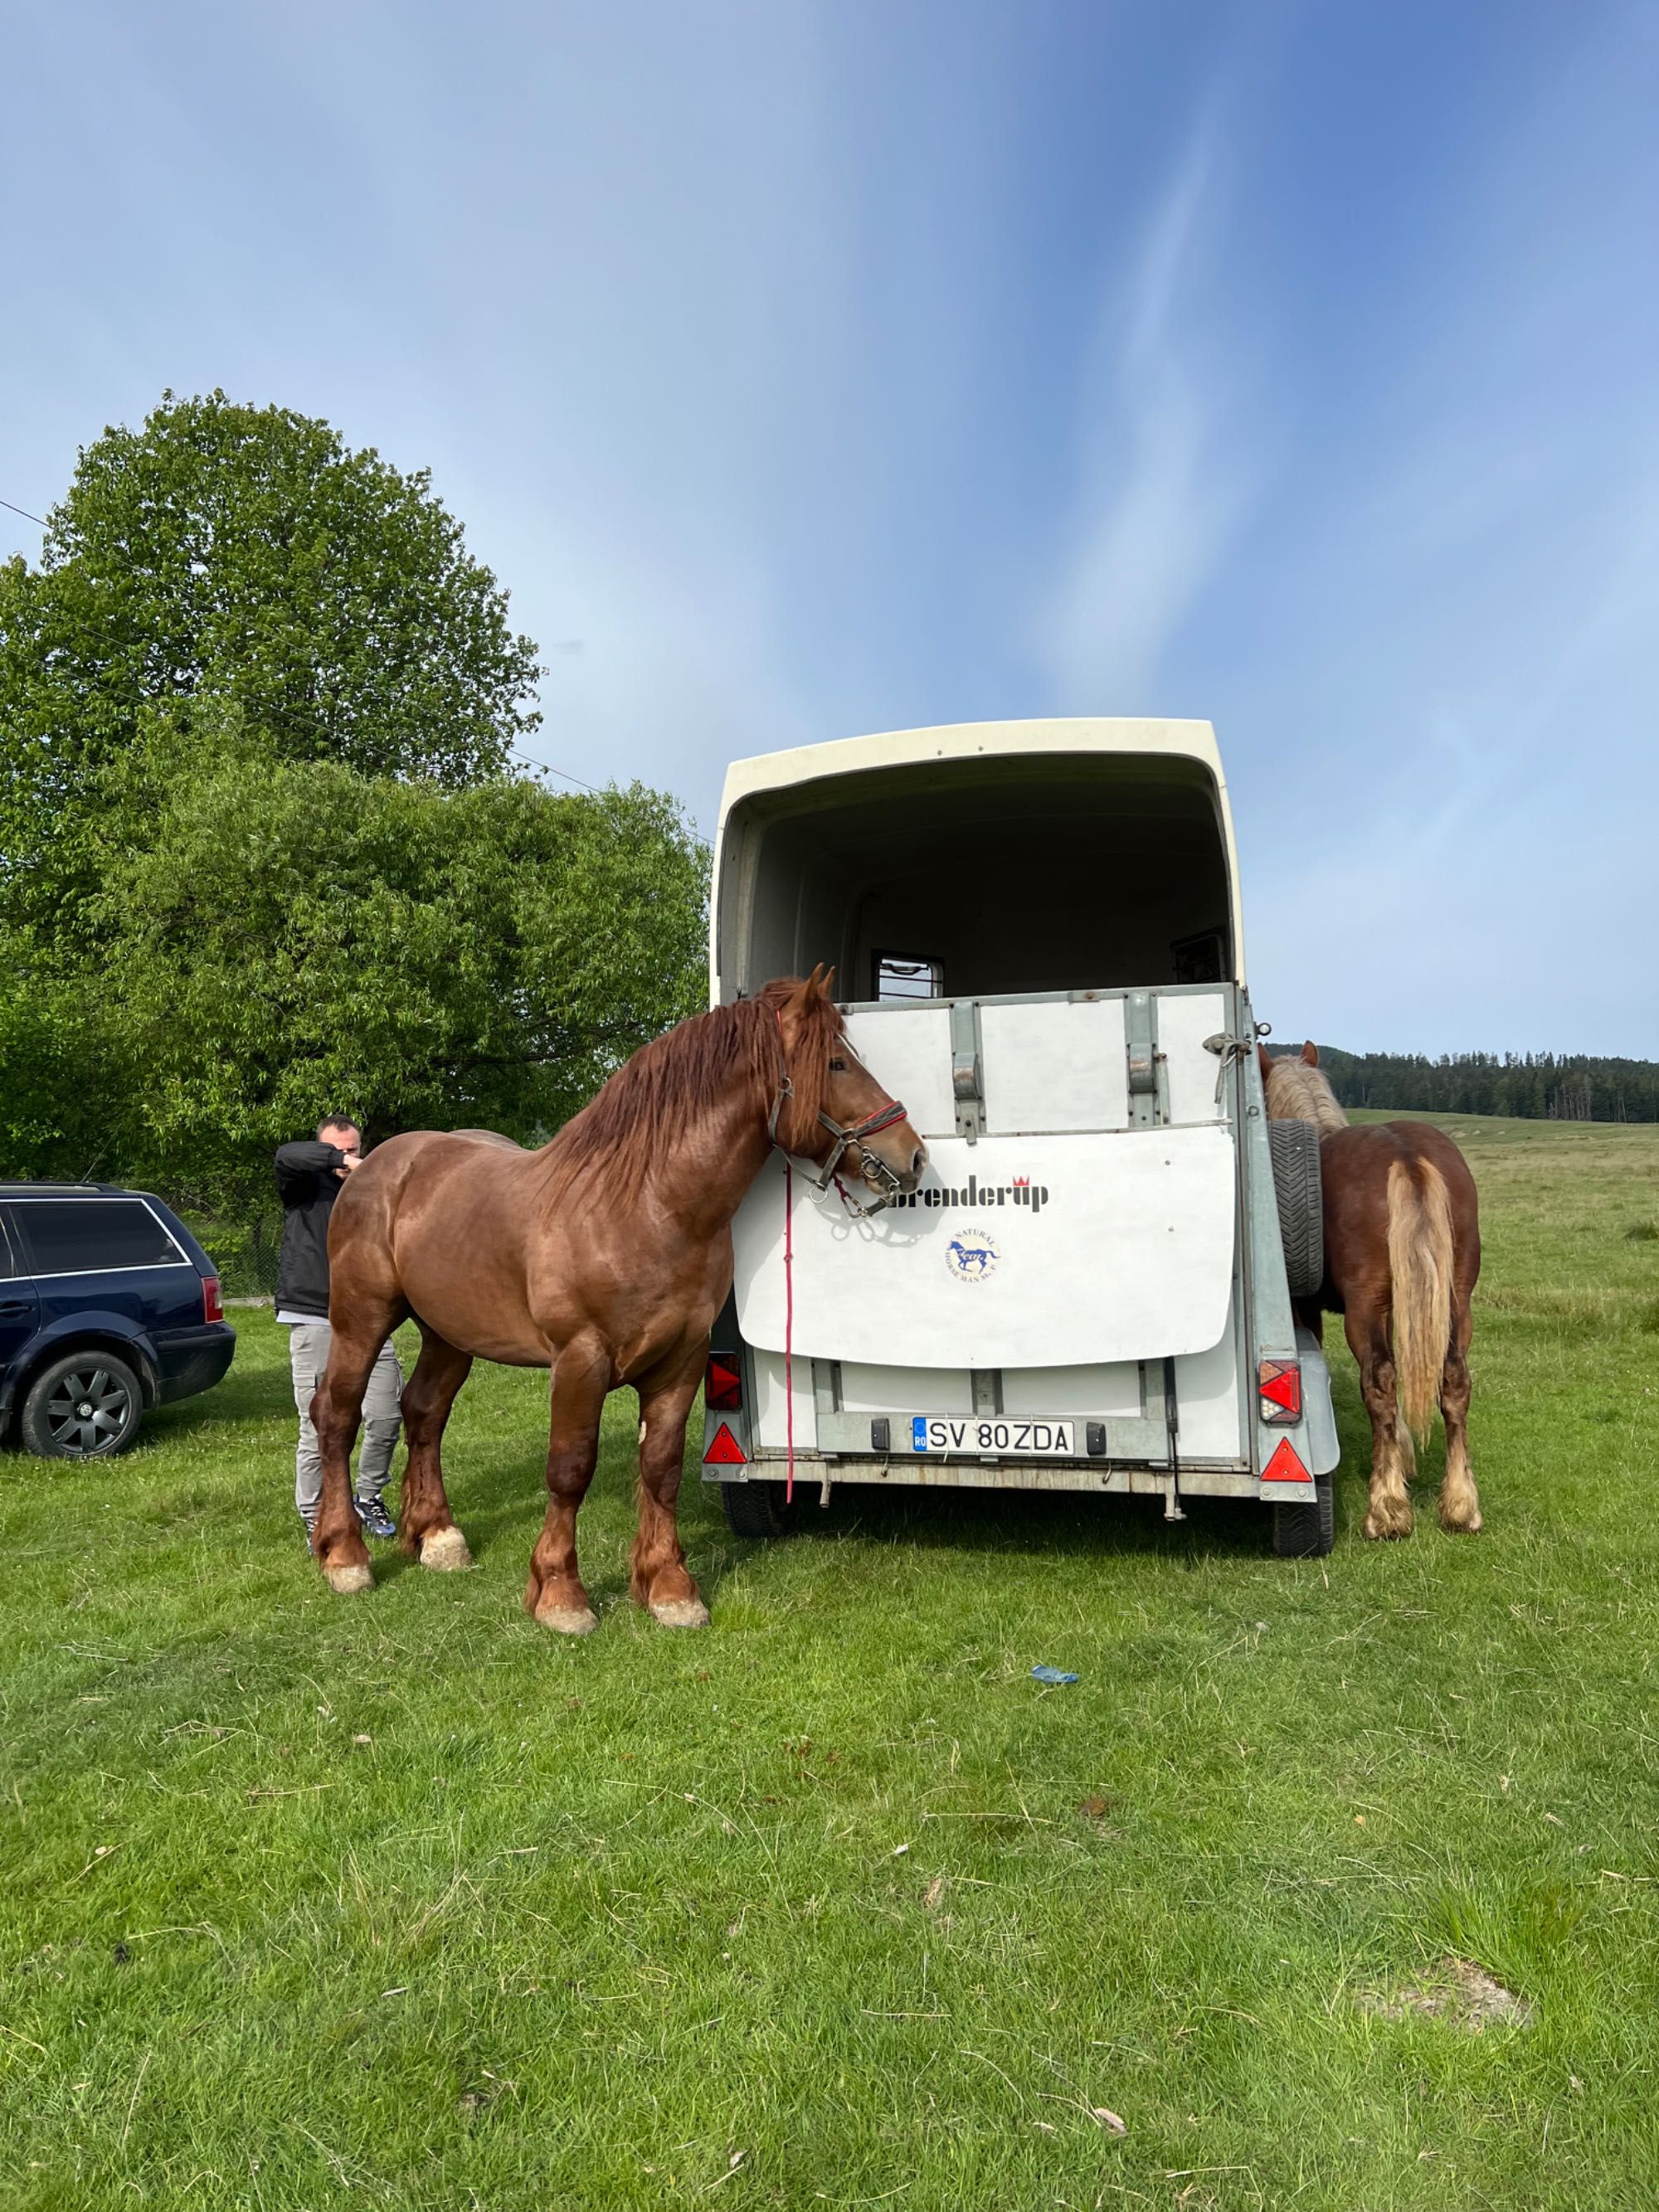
column 554, row 1594
column 660, row 1578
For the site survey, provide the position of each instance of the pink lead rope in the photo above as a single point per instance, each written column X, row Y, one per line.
column 789, row 1326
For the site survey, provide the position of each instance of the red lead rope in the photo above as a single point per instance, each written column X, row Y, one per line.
column 789, row 1326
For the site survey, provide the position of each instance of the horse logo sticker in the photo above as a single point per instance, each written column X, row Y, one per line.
column 971, row 1254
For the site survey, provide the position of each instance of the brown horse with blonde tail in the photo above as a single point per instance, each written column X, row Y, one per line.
column 1403, row 1250
column 604, row 1256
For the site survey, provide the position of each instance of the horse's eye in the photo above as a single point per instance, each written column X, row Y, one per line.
column 838, row 1067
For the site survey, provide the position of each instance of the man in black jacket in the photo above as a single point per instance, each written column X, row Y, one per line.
column 309, row 1179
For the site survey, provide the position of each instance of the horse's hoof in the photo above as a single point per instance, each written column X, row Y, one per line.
column 1379, row 1527
column 566, row 1620
column 1471, row 1526
column 681, row 1613
column 445, row 1551
column 347, row 1581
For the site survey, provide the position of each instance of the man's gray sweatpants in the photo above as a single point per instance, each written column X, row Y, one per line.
column 307, row 1351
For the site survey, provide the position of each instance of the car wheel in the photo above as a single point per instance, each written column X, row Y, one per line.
column 85, row 1406
column 754, row 1508
column 1295, row 1148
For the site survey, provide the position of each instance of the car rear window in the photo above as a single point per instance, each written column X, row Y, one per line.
column 66, row 1236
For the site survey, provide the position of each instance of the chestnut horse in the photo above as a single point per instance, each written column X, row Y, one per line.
column 605, row 1256
column 1403, row 1250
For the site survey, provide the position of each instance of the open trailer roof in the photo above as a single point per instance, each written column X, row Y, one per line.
column 980, row 858
column 953, row 741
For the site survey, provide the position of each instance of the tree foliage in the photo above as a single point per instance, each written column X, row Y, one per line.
column 291, row 938
column 1533, row 1086
column 243, row 555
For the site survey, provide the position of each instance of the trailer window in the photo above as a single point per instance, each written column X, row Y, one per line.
column 898, row 982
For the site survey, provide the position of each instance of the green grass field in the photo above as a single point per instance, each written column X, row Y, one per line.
column 397, row 1901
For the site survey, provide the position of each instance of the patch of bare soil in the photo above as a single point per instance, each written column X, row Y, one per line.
column 1460, row 1993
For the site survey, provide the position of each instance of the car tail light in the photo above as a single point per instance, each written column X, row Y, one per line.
column 213, row 1306
column 1279, row 1381
column 722, row 1386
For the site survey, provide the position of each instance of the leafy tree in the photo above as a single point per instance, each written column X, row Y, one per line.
column 60, row 1113
column 244, row 554
column 295, row 937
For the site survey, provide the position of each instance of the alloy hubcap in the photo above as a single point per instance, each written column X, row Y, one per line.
column 89, row 1410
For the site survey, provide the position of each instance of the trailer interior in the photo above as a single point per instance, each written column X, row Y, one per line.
column 980, row 878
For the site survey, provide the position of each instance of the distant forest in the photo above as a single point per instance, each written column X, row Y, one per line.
column 1536, row 1086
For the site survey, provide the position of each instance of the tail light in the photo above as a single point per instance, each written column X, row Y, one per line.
column 1279, row 1382
column 722, row 1385
column 213, row 1306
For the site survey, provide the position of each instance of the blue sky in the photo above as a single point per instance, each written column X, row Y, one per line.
column 807, row 370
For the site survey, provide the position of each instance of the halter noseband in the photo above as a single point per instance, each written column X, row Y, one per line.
column 883, row 1179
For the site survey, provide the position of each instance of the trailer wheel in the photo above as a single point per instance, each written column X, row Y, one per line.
column 1307, row 1531
column 1295, row 1147
column 754, row 1509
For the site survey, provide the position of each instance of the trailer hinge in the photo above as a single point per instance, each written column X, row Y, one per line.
column 1143, row 1055
column 967, row 1075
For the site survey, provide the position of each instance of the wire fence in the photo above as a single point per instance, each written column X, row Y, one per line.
column 243, row 1250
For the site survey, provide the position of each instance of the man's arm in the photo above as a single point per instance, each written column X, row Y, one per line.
column 299, row 1165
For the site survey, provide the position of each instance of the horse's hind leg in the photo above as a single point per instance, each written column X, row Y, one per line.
column 660, row 1578
column 428, row 1526
column 1460, row 1501
column 1389, row 1513
column 355, row 1342
column 554, row 1594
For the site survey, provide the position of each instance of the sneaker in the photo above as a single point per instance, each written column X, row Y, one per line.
column 372, row 1512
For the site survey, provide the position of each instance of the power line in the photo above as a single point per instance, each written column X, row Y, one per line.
column 548, row 767
column 26, row 516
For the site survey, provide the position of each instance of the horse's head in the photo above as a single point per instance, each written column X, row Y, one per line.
column 838, row 1110
column 1299, row 1089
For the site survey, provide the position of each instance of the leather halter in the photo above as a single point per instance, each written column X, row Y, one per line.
column 883, row 1180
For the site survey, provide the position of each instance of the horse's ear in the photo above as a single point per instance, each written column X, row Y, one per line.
column 1310, row 1055
column 1266, row 1060
column 825, row 978
column 793, row 1012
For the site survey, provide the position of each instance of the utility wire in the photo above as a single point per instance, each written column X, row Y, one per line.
column 548, row 767
column 26, row 516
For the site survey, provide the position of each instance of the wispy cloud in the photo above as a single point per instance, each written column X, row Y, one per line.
column 1165, row 463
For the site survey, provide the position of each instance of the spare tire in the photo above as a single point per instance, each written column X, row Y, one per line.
column 1294, row 1147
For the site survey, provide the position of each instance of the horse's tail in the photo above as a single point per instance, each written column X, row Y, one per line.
column 1420, row 1263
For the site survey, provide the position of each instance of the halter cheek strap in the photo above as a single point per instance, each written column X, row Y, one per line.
column 881, row 1178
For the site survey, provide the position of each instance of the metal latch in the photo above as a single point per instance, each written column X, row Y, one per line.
column 1227, row 1048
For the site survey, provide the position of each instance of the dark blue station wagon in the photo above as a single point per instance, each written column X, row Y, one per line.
column 108, row 1306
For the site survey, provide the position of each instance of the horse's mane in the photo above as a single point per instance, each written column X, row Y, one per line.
column 649, row 1102
column 1298, row 1092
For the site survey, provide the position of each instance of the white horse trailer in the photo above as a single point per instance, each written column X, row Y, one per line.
column 1037, row 934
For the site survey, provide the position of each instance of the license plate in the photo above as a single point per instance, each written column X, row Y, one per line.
column 981, row 1435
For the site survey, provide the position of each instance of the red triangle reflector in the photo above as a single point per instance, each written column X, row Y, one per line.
column 725, row 1450
column 1284, row 1466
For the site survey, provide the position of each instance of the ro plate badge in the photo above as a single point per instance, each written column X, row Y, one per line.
column 1036, row 1439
